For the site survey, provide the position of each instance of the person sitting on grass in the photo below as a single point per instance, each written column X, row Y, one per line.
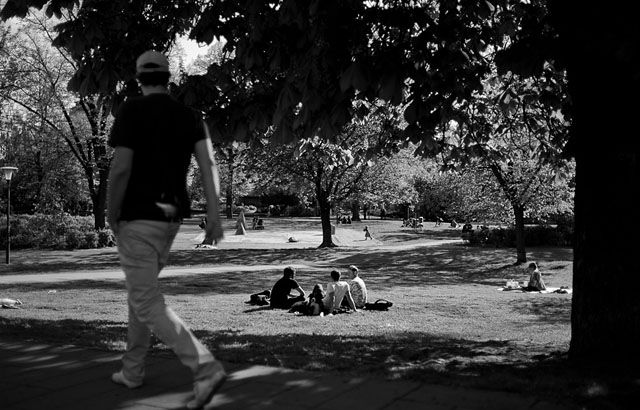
column 358, row 289
column 337, row 290
column 312, row 307
column 535, row 279
column 281, row 297
column 316, row 308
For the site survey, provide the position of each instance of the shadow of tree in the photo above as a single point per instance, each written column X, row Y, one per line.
column 554, row 311
column 413, row 356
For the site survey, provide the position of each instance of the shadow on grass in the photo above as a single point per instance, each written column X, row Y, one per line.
column 548, row 310
column 410, row 356
column 441, row 265
column 451, row 265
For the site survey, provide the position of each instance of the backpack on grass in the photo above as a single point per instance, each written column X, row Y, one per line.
column 380, row 304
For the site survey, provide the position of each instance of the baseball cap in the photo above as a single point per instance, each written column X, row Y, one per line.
column 152, row 62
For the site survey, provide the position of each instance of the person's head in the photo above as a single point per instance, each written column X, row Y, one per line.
column 289, row 272
column 152, row 69
column 317, row 291
column 533, row 266
column 354, row 271
column 335, row 275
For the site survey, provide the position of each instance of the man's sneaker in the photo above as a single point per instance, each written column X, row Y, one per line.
column 205, row 388
column 118, row 378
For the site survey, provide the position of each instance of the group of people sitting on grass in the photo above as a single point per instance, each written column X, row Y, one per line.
column 413, row 222
column 339, row 295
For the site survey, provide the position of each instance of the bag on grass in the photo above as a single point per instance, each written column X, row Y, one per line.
column 380, row 304
column 260, row 299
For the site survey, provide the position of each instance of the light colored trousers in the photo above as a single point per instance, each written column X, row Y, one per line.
column 143, row 248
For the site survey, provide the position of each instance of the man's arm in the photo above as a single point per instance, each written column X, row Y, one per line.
column 301, row 291
column 119, row 175
column 350, row 301
column 211, row 184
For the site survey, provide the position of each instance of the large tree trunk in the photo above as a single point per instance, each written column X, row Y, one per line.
column 601, row 43
column 518, row 213
column 605, row 317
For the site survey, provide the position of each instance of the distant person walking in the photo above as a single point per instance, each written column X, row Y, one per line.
column 154, row 137
column 367, row 234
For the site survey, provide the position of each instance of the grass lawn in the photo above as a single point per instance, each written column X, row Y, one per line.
column 449, row 324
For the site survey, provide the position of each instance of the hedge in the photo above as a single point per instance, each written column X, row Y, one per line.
column 537, row 235
column 62, row 231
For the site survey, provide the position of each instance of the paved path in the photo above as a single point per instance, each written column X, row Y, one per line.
column 46, row 377
column 113, row 274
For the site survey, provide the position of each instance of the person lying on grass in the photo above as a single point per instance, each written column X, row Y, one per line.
column 337, row 290
column 281, row 297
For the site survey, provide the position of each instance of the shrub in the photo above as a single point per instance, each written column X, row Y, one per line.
column 539, row 235
column 90, row 240
column 73, row 239
column 299, row 210
column 60, row 231
column 106, row 238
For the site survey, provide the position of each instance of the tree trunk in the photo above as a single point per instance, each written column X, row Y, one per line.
column 355, row 211
column 325, row 219
column 518, row 212
column 98, row 195
column 605, row 317
column 603, row 72
column 229, row 190
column 99, row 200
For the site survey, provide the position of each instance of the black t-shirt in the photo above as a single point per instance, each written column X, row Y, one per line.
column 162, row 133
column 281, row 290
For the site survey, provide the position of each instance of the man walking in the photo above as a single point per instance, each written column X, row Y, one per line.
column 154, row 137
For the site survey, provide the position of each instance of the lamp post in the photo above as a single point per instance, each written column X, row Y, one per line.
column 8, row 174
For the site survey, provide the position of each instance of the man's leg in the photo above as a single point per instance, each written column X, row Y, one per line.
column 138, row 337
column 144, row 247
